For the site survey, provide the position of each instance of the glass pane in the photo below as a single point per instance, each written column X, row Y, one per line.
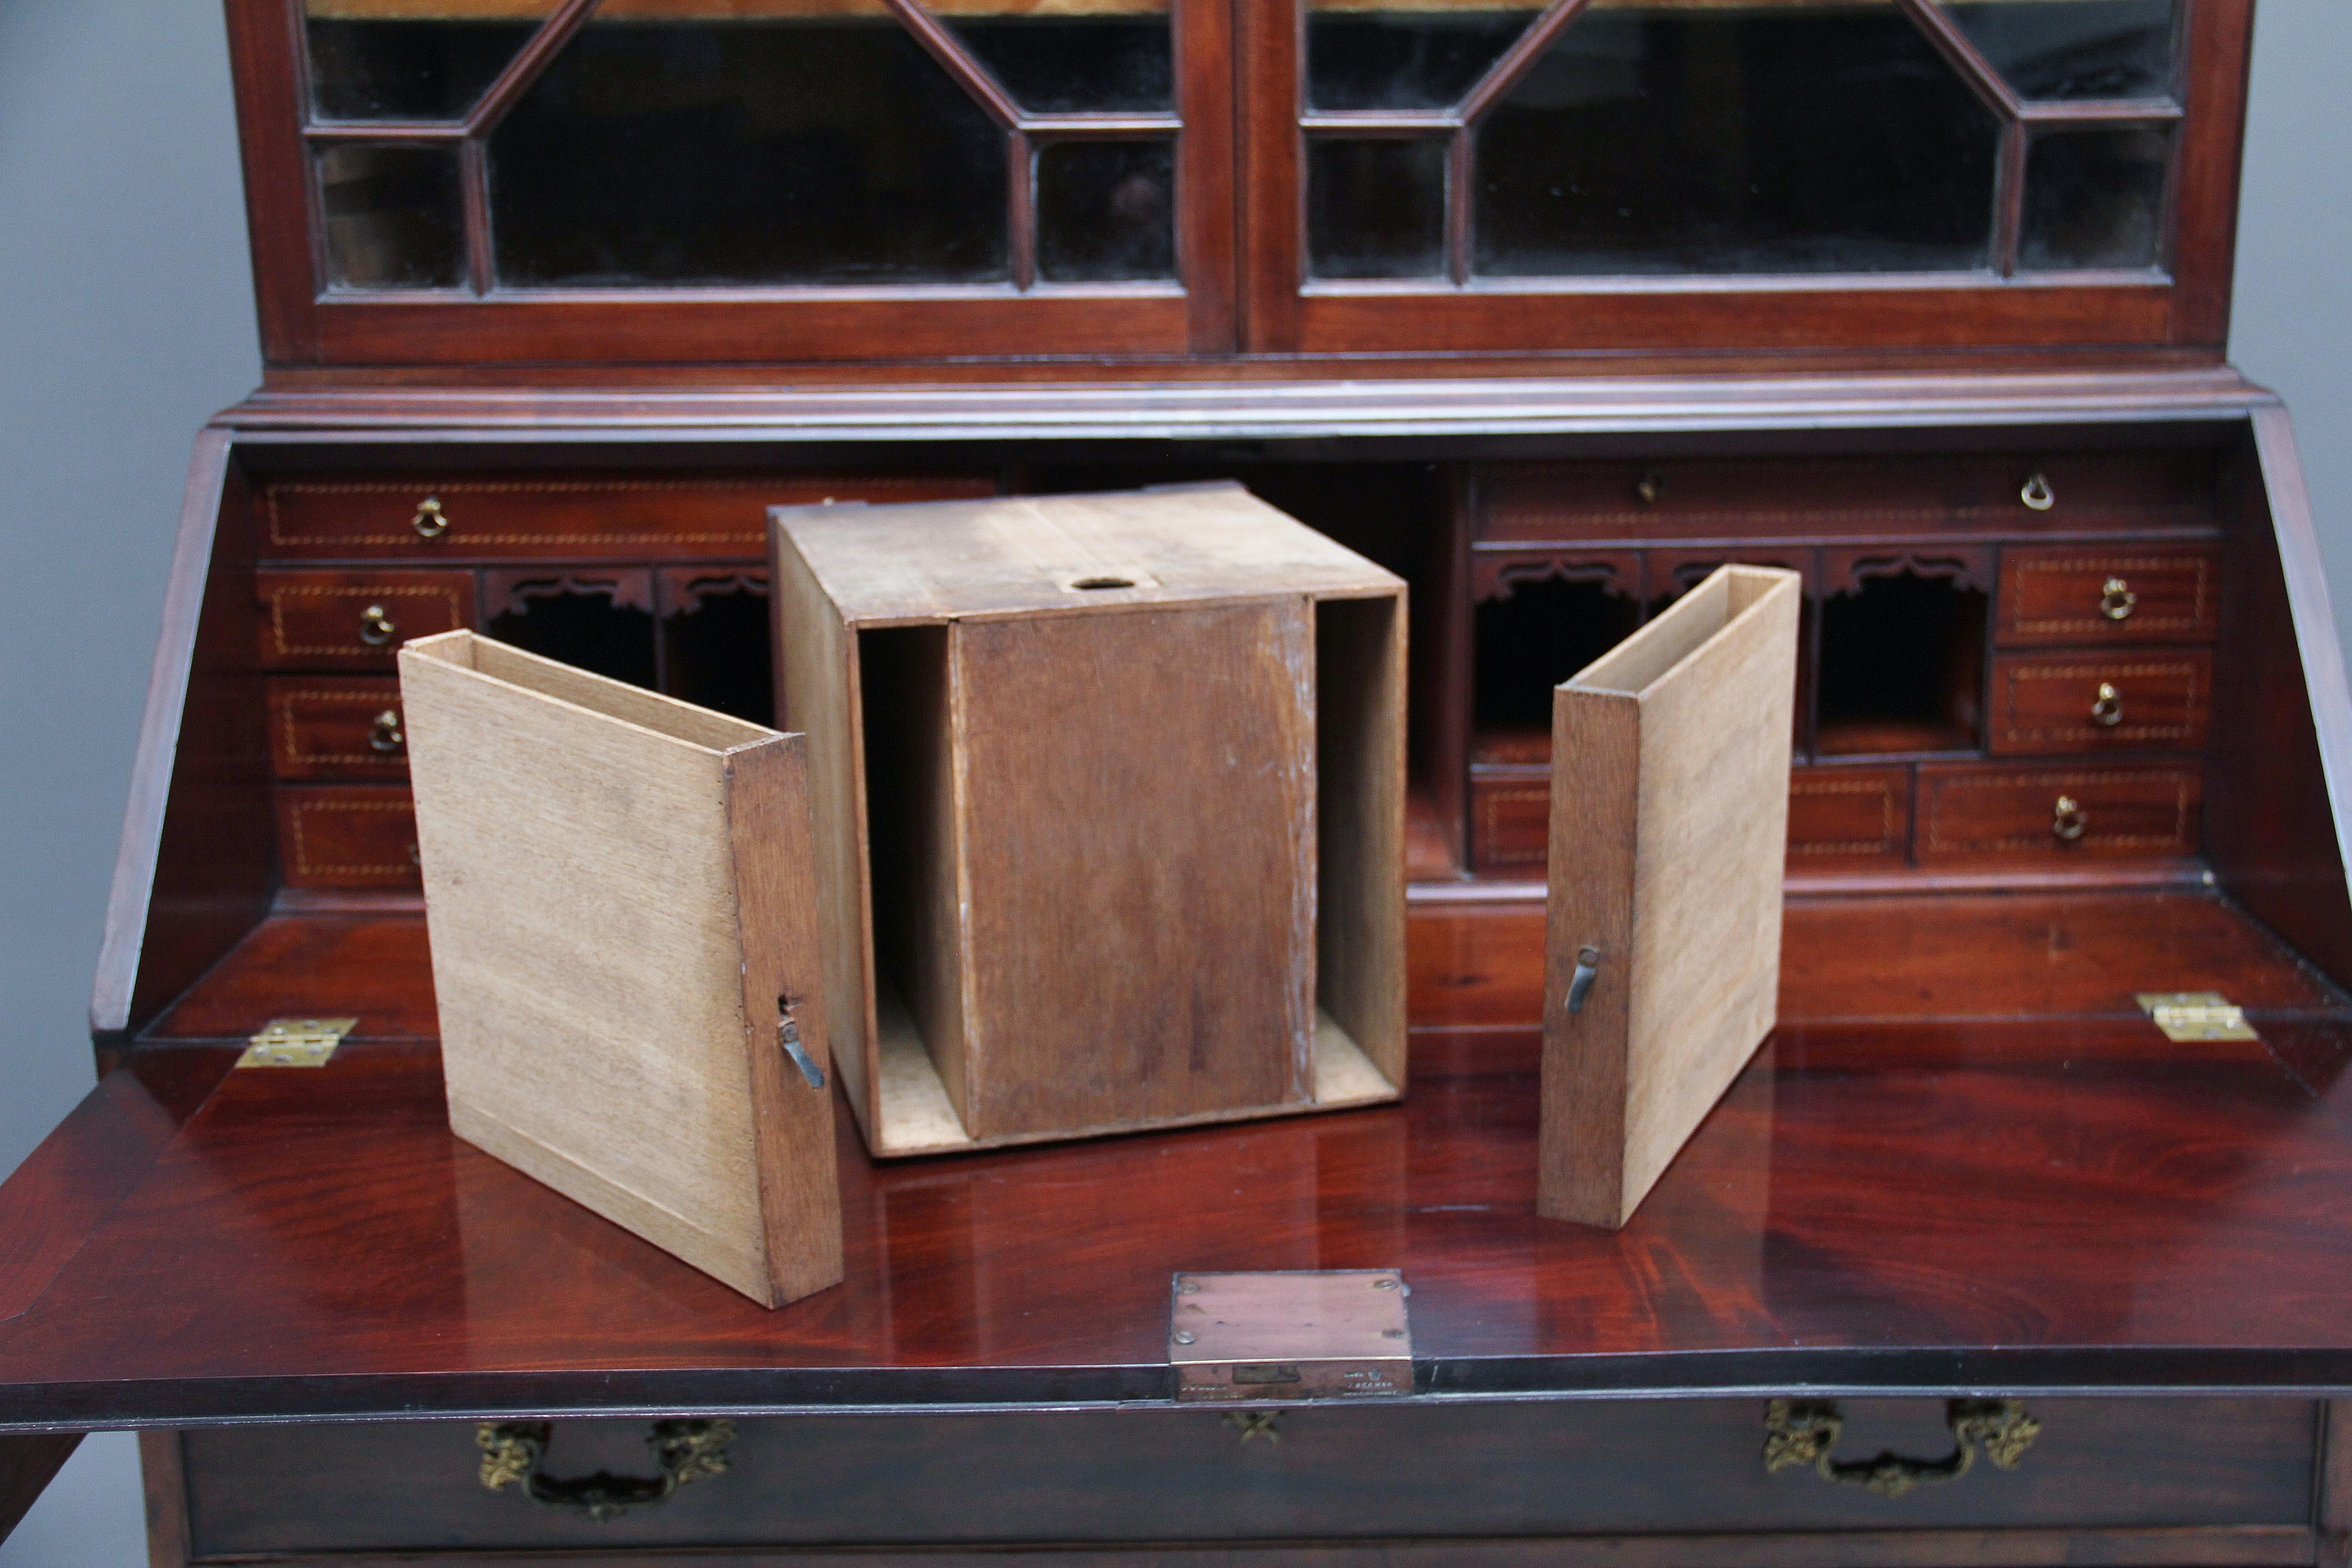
column 1106, row 211
column 826, row 151
column 1375, row 209
column 1094, row 56
column 400, row 59
column 1382, row 55
column 1699, row 137
column 392, row 217
column 2073, row 48
column 2094, row 198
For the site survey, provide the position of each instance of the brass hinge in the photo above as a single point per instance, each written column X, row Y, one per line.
column 296, row 1042
column 2197, row 1015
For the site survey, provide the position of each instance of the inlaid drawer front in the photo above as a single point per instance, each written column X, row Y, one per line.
column 1849, row 818
column 350, row 836
column 1362, row 1473
column 323, row 727
column 2054, row 814
column 2061, row 594
column 355, row 620
column 1510, row 822
column 2149, row 699
column 577, row 517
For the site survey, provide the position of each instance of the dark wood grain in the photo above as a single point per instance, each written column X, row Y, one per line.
column 28, row 1462
column 329, row 727
column 2046, row 703
column 347, row 835
column 2053, row 594
column 317, row 618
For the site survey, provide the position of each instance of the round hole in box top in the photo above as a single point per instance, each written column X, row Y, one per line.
column 1090, row 583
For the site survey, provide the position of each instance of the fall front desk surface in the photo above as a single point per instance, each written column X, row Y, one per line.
column 1964, row 1160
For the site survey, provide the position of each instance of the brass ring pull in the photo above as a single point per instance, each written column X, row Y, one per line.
column 2116, row 599
column 2067, row 820
column 2037, row 495
column 1649, row 488
column 514, row 1452
column 2108, row 707
column 430, row 522
column 385, row 734
column 1798, row 1432
column 376, row 626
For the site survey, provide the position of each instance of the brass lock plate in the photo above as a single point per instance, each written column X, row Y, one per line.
column 1334, row 1334
column 296, row 1042
column 2197, row 1015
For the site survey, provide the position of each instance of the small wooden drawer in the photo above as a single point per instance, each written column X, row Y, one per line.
column 577, row 517
column 1849, row 818
column 1510, row 821
column 355, row 620
column 2101, row 701
column 2062, row 594
column 323, row 727
column 2008, row 812
column 347, row 835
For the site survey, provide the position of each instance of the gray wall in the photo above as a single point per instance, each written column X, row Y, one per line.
column 126, row 318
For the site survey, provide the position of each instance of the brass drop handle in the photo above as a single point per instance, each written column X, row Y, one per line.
column 2116, row 599
column 376, row 626
column 515, row 1452
column 2067, row 820
column 385, row 734
column 2037, row 495
column 2108, row 707
column 1805, row 1432
column 430, row 522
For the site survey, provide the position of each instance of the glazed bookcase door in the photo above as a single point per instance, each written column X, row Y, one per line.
column 1487, row 175
column 762, row 180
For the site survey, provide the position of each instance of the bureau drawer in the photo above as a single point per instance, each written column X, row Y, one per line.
column 327, row 727
column 347, row 835
column 591, row 516
column 2062, row 594
column 1849, row 818
column 354, row 620
column 2147, row 699
column 2056, row 815
column 1430, row 1471
column 1510, row 822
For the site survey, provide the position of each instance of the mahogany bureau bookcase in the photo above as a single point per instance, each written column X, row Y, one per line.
column 1548, row 307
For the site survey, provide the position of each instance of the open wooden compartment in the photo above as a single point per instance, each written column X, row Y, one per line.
column 1111, row 796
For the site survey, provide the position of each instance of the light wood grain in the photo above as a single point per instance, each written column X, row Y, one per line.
column 1360, row 728
column 1669, row 818
column 619, row 896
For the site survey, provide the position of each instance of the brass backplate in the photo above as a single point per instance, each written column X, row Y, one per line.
column 296, row 1042
column 2197, row 1015
column 1265, row 1338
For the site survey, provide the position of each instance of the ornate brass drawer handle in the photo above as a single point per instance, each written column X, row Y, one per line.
column 2037, row 494
column 2116, row 599
column 2067, row 819
column 1799, row 1432
column 385, row 734
column 430, row 522
column 514, row 1451
column 376, row 626
column 2108, row 707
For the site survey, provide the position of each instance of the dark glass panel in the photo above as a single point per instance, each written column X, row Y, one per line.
column 2094, row 198
column 374, row 60
column 2073, row 48
column 1705, row 138
column 1375, row 209
column 392, row 217
column 1401, row 58
column 1106, row 211
column 1066, row 64
column 710, row 153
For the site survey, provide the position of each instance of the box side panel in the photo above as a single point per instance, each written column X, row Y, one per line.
column 774, row 852
column 1140, row 838
column 579, row 881
column 1706, row 885
column 1360, row 669
column 816, row 690
column 1595, row 802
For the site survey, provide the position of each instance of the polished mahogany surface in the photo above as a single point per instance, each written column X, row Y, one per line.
column 1964, row 1160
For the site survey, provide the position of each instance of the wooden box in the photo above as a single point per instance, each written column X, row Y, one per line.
column 622, row 923
column 1111, row 795
column 1669, row 824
